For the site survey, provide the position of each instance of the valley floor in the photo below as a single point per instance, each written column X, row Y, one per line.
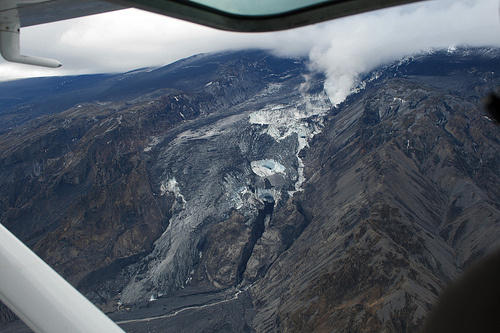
column 192, row 309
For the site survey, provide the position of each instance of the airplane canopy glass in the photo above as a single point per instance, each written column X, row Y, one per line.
column 259, row 7
column 232, row 15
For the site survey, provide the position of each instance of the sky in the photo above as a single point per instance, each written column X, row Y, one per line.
column 343, row 49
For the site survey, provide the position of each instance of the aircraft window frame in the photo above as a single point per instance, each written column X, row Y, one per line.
column 259, row 7
column 208, row 16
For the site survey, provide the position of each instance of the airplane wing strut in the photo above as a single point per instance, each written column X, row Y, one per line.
column 42, row 298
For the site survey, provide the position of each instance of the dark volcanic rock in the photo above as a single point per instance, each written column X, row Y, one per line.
column 402, row 186
column 223, row 254
column 92, row 188
column 233, row 170
column 24, row 100
column 228, row 172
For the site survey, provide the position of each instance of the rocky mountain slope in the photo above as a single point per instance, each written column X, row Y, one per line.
column 402, row 187
column 234, row 170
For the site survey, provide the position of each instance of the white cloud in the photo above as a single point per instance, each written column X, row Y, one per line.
column 126, row 40
column 349, row 47
column 343, row 49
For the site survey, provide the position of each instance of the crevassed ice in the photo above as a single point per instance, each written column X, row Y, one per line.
column 285, row 120
column 266, row 168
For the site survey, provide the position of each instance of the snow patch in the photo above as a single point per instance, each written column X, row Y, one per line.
column 270, row 89
column 171, row 185
column 154, row 142
column 114, row 125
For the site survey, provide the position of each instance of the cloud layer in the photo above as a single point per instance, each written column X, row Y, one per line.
column 343, row 49
column 347, row 48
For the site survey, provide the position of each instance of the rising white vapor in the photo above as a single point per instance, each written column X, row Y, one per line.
column 347, row 48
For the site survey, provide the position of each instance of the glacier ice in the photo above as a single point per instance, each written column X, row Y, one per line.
column 304, row 118
column 266, row 168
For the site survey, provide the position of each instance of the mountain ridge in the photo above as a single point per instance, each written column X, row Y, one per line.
column 255, row 181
